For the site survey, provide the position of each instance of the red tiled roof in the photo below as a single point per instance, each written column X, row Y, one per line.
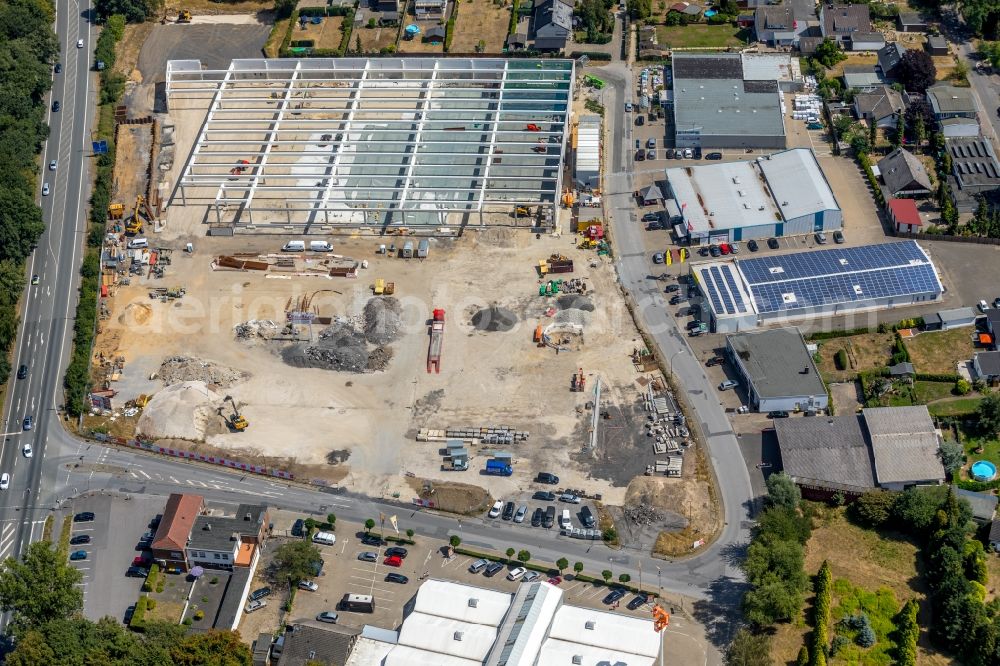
column 178, row 519
column 904, row 211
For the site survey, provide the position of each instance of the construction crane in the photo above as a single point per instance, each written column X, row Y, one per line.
column 236, row 421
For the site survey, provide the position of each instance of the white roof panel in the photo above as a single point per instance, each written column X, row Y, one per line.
column 560, row 653
column 798, row 184
column 402, row 655
column 447, row 636
column 722, row 196
column 614, row 634
column 466, row 603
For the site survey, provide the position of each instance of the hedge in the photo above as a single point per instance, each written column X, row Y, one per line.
column 347, row 27
column 138, row 621
column 821, row 616
column 840, row 359
column 512, row 28
column 830, row 335
column 948, row 377
column 907, row 634
column 872, row 180
column 449, row 31
column 402, row 540
column 978, row 486
column 593, row 55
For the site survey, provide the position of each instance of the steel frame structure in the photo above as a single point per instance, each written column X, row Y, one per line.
column 374, row 142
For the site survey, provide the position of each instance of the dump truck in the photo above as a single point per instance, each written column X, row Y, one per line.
column 436, row 342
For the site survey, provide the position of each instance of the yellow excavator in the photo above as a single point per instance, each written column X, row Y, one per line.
column 140, row 215
column 235, row 420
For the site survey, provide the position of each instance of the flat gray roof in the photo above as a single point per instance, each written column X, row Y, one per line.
column 777, row 363
column 728, row 107
column 973, row 162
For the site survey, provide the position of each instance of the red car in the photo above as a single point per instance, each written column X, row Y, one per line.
column 555, row 580
column 140, row 561
column 394, row 561
column 725, row 248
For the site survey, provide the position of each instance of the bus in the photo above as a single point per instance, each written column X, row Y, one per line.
column 358, row 603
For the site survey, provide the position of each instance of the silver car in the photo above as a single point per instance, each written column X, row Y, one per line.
column 255, row 605
column 519, row 516
column 368, row 556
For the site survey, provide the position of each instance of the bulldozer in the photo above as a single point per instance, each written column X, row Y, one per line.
column 184, row 16
column 235, row 421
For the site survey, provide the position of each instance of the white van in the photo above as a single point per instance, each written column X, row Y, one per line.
column 565, row 522
column 325, row 538
column 294, row 246
column 137, row 243
column 320, row 246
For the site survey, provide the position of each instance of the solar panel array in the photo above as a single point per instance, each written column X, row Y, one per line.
column 838, row 276
column 722, row 289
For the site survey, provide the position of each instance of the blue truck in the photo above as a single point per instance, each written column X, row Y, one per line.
column 499, row 468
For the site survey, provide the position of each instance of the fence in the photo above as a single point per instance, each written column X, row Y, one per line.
column 978, row 240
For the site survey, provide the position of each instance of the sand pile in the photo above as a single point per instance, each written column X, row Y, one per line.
column 382, row 323
column 180, row 411
column 494, row 319
column 177, row 369
column 135, row 314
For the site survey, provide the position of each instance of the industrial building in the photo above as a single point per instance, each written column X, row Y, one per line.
column 587, row 152
column 974, row 171
column 717, row 106
column 741, row 294
column 452, row 624
column 320, row 143
column 777, row 371
column 777, row 195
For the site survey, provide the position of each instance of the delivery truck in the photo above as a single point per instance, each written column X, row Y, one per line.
column 499, row 468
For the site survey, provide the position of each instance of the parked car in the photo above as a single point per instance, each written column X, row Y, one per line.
column 547, row 477
column 393, row 561
column 396, row 578
column 530, row 576
column 688, row 153
column 370, row 539
column 478, row 566
column 715, row 251
column 493, row 569
column 327, row 616
column 516, row 573
column 674, row 300
column 628, row 107
column 396, row 552
column 308, row 585
column 260, row 593
column 996, row 303
column 298, row 528
column 368, row 556
column 78, row 555
column 79, row 539
column 728, row 384
column 640, row 155
column 255, row 606
column 658, row 258
column 752, row 245
column 521, row 512
column 673, row 287
column 650, row 155
column 838, row 236
column 821, row 238
column 696, row 332
column 713, row 156
column 670, row 153
column 778, row 414
column 650, row 217
column 651, row 142
column 773, row 243
column 638, row 601
column 497, row 508
column 715, row 360
column 983, row 307
column 569, row 497
column 640, row 121
column 555, row 580
column 638, row 144
column 536, row 517
column 724, row 248
column 4, row 481
column 83, row 517
column 734, row 248
column 587, row 518
column 142, row 560
column 613, row 596
column 655, row 225
column 508, row 511
column 544, row 496
column 136, row 572
column 694, row 323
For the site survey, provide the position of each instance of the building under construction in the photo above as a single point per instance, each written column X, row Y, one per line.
column 319, row 143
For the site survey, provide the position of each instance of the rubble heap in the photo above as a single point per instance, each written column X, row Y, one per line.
column 642, row 514
column 178, row 369
column 381, row 321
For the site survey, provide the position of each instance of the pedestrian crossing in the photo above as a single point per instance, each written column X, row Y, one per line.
column 8, row 535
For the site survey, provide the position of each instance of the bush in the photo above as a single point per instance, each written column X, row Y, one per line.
column 150, row 603
column 873, row 508
column 840, row 359
column 199, row 615
column 962, row 387
column 839, row 643
column 907, row 634
column 455, row 541
column 187, row 622
column 936, row 377
column 138, row 621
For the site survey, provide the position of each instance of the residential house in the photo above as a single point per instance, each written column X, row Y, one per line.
column 310, row 642
column 993, row 322
column 219, row 542
column 776, row 25
column 984, row 505
column 170, row 540
column 889, row 56
column 937, row 45
column 905, row 446
column 385, row 5
column 430, row 9
column 881, row 106
column 553, row 25
column 904, row 216
column 841, row 22
column 904, row 175
column 910, row 22
column 862, row 78
column 987, row 366
column 951, row 102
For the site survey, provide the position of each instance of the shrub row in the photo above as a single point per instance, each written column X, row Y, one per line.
column 593, row 55
column 948, row 377
column 512, row 28
column 907, row 634
column 323, row 11
column 830, row 335
column 977, row 486
column 821, row 616
column 138, row 621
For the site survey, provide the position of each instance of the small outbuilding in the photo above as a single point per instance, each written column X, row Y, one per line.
column 937, row 45
column 984, row 506
column 651, row 196
column 945, row 320
column 904, row 216
column 910, row 22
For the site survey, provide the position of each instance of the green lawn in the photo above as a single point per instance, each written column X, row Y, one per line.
column 926, row 392
column 938, row 352
column 880, row 606
column 955, row 407
column 700, row 35
column 991, row 450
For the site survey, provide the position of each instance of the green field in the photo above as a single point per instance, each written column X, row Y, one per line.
column 700, row 35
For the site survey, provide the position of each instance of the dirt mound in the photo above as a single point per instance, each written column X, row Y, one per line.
column 379, row 358
column 340, row 347
column 575, row 302
column 177, row 369
column 382, row 323
column 181, row 411
column 494, row 319
column 135, row 314
column 454, row 497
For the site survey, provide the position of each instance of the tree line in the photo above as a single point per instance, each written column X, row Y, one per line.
column 28, row 47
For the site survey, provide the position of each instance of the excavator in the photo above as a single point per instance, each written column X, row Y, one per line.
column 140, row 214
column 236, row 421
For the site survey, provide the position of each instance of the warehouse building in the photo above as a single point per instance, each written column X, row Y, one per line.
column 744, row 293
column 778, row 195
column 777, row 371
column 716, row 106
column 587, row 167
column 319, row 143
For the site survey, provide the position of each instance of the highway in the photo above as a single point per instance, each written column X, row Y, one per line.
column 48, row 308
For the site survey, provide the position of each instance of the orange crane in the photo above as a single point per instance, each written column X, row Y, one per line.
column 437, row 341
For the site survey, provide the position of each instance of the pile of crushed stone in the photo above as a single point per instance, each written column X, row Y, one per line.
column 382, row 322
column 494, row 319
column 178, row 369
column 180, row 411
column 575, row 302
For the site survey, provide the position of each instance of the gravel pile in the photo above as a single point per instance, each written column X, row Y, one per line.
column 575, row 302
column 382, row 323
column 572, row 316
column 340, row 347
column 255, row 329
column 494, row 319
column 178, row 369
column 180, row 411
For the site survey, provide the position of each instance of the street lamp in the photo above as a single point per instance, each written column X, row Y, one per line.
column 659, row 582
column 672, row 357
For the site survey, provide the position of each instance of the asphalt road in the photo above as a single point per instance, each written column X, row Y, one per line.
column 48, row 309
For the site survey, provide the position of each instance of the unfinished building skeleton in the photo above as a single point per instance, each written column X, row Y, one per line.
column 348, row 142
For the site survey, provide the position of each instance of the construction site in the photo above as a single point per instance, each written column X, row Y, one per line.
column 356, row 340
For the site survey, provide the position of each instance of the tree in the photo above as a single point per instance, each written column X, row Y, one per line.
column 782, row 491
column 455, row 541
column 410, row 533
column 369, row 524
column 828, row 53
column 562, row 563
column 39, row 588
column 641, row 9
column 606, row 575
column 916, row 70
column 952, row 456
column 510, row 553
column 212, row 647
column 962, row 387
column 624, row 578
column 294, row 562
column 523, row 556
column 873, row 508
column 284, row 8
column 749, row 649
column 577, row 567
column 897, row 137
column 331, row 519
column 135, row 11
column 980, row 16
column 988, row 414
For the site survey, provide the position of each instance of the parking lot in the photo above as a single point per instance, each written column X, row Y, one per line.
column 118, row 525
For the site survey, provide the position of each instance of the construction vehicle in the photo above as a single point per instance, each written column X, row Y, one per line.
column 239, row 169
column 141, row 214
column 579, row 382
column 522, row 211
column 532, row 127
column 235, row 421
column 436, row 342
column 116, row 211
column 184, row 16
column 379, row 287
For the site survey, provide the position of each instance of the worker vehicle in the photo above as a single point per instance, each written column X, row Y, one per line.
column 565, row 521
column 728, row 384
column 294, row 246
column 324, row 538
column 587, row 517
column 547, row 477
column 236, row 420
column 496, row 509
column 358, row 603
